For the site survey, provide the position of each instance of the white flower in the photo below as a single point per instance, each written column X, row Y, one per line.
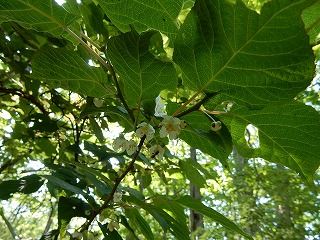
column 216, row 126
column 112, row 225
column 131, row 147
column 117, row 197
column 157, row 151
column 98, row 102
column 170, row 125
column 77, row 235
column 120, row 144
column 145, row 129
column 160, row 109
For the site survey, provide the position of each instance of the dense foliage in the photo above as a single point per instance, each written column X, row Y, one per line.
column 102, row 99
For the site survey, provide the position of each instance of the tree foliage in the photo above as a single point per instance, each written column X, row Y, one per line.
column 96, row 92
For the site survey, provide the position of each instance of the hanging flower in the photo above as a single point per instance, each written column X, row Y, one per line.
column 98, row 102
column 170, row 125
column 131, row 147
column 120, row 144
column 112, row 225
column 145, row 129
column 216, row 126
column 157, row 151
column 117, row 197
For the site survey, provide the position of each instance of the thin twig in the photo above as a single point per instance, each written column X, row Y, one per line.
column 116, row 185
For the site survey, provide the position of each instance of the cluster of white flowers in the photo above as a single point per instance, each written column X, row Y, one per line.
column 121, row 144
column 170, row 126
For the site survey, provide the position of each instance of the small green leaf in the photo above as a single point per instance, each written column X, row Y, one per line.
column 141, row 75
column 139, row 222
column 114, row 114
column 192, row 174
column 26, row 185
column 109, row 235
column 69, row 208
column 66, row 69
column 198, row 134
column 96, row 129
column 198, row 206
column 67, row 186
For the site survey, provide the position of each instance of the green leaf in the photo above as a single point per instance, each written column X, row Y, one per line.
column 113, row 113
column 109, row 235
column 192, row 174
column 139, row 222
column 198, row 206
column 198, row 134
column 58, row 182
column 66, row 69
column 127, row 13
column 96, row 129
column 288, row 134
column 125, row 223
column 26, row 185
column 142, row 76
column 39, row 15
column 311, row 18
column 245, row 56
column 69, row 208
column 178, row 229
column 41, row 123
column 199, row 167
column 93, row 18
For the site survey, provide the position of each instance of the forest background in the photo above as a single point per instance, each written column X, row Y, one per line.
column 173, row 119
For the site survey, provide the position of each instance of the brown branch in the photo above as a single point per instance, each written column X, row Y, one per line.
column 117, row 182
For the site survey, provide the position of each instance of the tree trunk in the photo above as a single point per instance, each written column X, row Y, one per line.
column 196, row 219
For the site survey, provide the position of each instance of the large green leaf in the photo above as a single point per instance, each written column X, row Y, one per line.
column 288, row 134
column 142, row 76
column 144, row 15
column 198, row 206
column 66, row 69
column 40, row 15
column 245, row 56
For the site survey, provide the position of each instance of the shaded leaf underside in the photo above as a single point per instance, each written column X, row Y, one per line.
column 66, row 69
column 250, row 58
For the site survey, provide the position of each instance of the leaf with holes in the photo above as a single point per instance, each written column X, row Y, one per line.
column 288, row 134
